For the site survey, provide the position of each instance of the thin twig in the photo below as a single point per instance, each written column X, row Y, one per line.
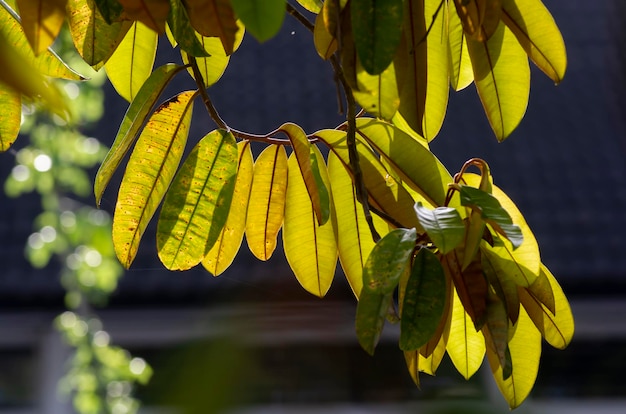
column 300, row 17
column 205, row 96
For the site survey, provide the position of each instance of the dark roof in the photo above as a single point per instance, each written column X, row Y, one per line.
column 564, row 166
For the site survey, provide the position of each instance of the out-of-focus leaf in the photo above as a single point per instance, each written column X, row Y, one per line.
column 556, row 327
column 314, row 6
column 150, row 170
column 422, row 64
column 461, row 73
column 111, row 10
column 267, row 201
column 94, row 39
column 42, row 21
column 324, row 40
column 443, row 225
column 378, row 94
column 492, row 212
column 371, row 312
column 416, row 165
column 310, row 247
column 387, row 261
column 11, row 110
column 183, row 32
column 424, row 301
column 412, row 359
column 131, row 63
column 214, row 18
column 525, row 352
column 262, row 18
column 377, row 28
column 535, row 29
column 471, row 287
column 196, row 206
column 354, row 238
column 47, row 63
column 466, row 345
column 152, row 13
column 136, row 114
column 502, row 78
column 385, row 193
column 227, row 245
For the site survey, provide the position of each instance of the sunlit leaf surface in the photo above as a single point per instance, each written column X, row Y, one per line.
column 466, row 345
column 42, row 21
column 11, row 110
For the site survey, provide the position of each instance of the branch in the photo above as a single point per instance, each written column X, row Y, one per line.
column 205, row 96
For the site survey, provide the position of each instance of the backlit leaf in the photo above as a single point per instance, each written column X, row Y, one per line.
column 377, row 28
column 443, row 225
column 480, row 17
column 150, row 170
column 525, row 352
column 377, row 94
column 422, row 64
column 196, row 206
column 262, row 18
column 11, row 110
column 131, row 63
column 434, row 351
column 214, row 18
column 42, row 21
column 267, row 201
column 354, row 238
column 461, row 73
column 535, row 29
column 136, row 114
column 387, row 260
column 424, row 301
column 111, row 10
column 94, row 39
column 310, row 247
column 314, row 6
column 227, row 245
column 371, row 312
column 504, row 286
column 541, row 289
column 556, row 327
column 466, row 345
column 183, row 32
column 152, row 13
column 502, row 78
column 325, row 41
column 310, row 170
column 471, row 287
column 496, row 332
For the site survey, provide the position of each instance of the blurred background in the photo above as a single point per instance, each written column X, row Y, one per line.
column 251, row 340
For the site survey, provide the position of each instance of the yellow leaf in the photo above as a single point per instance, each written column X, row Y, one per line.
column 354, row 239
column 558, row 327
column 214, row 18
column 465, row 345
column 227, row 245
column 131, row 63
column 310, row 248
column 94, row 39
column 152, row 13
column 324, row 40
column 430, row 363
column 535, row 29
column 479, row 17
column 11, row 110
column 502, row 78
column 267, row 201
column 377, row 94
column 422, row 66
column 150, row 170
column 412, row 359
column 525, row 348
column 42, row 21
column 461, row 74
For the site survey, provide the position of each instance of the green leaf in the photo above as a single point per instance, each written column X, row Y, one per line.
column 461, row 74
column 131, row 63
column 387, row 261
column 466, row 345
column 11, row 110
column 262, row 18
column 424, row 301
column 535, row 29
column 354, row 238
column 196, row 205
column 150, row 170
column 443, row 225
column 227, row 245
column 371, row 312
column 502, row 78
column 183, row 32
column 377, row 28
column 267, row 201
column 310, row 247
column 111, row 10
column 134, row 119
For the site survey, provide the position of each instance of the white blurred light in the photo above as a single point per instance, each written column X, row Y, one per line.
column 48, row 234
column 20, row 173
column 42, row 162
column 137, row 366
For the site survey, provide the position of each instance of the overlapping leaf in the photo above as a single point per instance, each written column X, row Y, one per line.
column 267, row 201
column 136, row 114
column 371, row 312
column 262, row 18
column 314, row 6
column 310, row 247
column 11, row 110
column 214, row 18
column 378, row 94
column 227, row 245
column 42, row 21
column 152, row 13
column 150, row 170
column 131, row 63
column 387, row 261
column 182, row 31
column 461, row 73
column 466, row 345
column 444, row 226
column 470, row 285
